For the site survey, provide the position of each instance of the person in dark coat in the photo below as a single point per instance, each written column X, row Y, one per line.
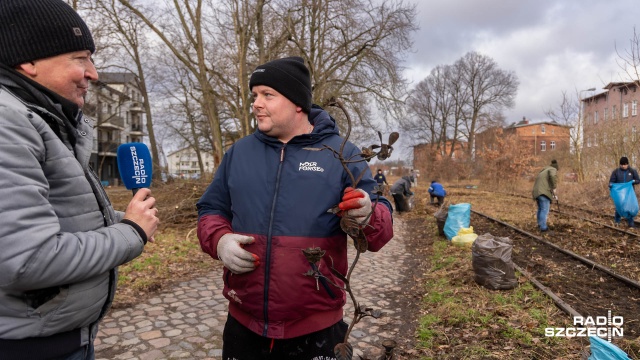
column 380, row 178
column 257, row 216
column 401, row 191
column 624, row 174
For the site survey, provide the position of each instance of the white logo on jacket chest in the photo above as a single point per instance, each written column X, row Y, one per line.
column 310, row 166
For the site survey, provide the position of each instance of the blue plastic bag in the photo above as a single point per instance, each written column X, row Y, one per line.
column 604, row 350
column 625, row 200
column 458, row 217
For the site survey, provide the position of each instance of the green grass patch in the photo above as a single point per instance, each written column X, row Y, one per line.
column 466, row 321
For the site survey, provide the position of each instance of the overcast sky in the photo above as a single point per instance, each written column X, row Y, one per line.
column 551, row 45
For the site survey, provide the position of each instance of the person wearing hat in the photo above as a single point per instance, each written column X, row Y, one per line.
column 544, row 189
column 380, row 178
column 624, row 173
column 271, row 199
column 61, row 239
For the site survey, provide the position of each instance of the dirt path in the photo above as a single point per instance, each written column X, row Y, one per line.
column 187, row 320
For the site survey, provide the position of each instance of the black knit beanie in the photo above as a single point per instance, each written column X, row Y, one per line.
column 288, row 76
column 38, row 29
column 624, row 161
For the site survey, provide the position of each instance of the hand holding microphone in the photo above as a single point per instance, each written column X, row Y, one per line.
column 142, row 211
column 135, row 167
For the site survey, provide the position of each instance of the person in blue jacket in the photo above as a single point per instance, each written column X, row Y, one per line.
column 272, row 198
column 437, row 191
column 380, row 178
column 624, row 174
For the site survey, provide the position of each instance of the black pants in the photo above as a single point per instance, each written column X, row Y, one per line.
column 440, row 199
column 402, row 202
column 240, row 343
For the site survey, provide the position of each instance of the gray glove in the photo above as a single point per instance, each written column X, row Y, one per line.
column 555, row 194
column 356, row 203
column 234, row 256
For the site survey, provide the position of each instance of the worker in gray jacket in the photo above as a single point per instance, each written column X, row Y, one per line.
column 60, row 239
column 401, row 192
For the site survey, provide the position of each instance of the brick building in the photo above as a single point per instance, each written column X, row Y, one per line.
column 611, row 124
column 426, row 155
column 547, row 137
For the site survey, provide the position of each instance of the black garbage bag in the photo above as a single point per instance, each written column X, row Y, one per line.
column 441, row 219
column 492, row 265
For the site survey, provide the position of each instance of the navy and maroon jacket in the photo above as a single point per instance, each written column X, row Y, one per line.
column 279, row 194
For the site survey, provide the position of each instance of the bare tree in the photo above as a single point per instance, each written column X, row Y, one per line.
column 432, row 107
column 629, row 59
column 189, row 45
column 489, row 87
column 353, row 49
column 126, row 31
column 569, row 112
column 505, row 159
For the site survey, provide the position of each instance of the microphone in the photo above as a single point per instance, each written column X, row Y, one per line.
column 134, row 165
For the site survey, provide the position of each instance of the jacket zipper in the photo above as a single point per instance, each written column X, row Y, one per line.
column 268, row 251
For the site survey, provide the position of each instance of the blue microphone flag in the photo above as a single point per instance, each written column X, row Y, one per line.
column 134, row 164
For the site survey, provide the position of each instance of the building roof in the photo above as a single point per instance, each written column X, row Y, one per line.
column 525, row 123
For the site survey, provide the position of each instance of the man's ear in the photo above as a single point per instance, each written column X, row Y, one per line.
column 28, row 68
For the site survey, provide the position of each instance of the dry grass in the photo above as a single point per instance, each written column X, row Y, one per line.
column 462, row 320
column 175, row 255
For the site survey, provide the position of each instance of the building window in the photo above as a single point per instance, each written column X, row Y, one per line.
column 625, row 110
column 634, row 108
column 614, row 112
column 543, row 145
column 595, row 117
column 553, row 145
column 633, row 134
column 542, row 129
column 588, row 141
column 604, row 114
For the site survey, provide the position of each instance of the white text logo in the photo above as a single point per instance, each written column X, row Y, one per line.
column 310, row 166
column 139, row 170
column 605, row 327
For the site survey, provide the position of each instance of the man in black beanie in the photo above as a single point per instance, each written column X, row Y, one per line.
column 271, row 198
column 623, row 174
column 60, row 237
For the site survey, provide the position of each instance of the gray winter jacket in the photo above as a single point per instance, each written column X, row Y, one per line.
column 402, row 186
column 60, row 238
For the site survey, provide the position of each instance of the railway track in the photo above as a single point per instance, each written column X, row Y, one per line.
column 592, row 216
column 615, row 247
column 580, row 285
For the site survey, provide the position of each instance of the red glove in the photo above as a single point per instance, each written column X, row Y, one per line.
column 356, row 203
